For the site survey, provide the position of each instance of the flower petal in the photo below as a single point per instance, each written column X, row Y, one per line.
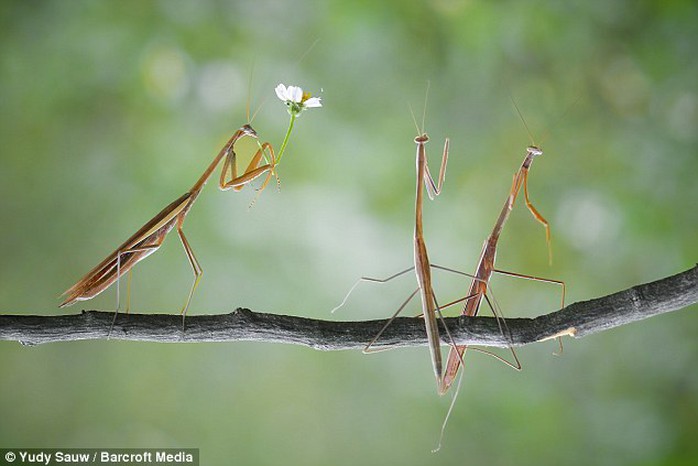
column 312, row 102
column 295, row 94
column 281, row 92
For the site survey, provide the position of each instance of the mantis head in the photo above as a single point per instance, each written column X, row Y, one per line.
column 533, row 150
column 421, row 139
column 247, row 130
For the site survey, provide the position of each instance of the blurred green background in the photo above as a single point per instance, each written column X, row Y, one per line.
column 110, row 110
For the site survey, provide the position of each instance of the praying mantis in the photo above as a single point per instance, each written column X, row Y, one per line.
column 422, row 266
column 150, row 236
column 485, row 268
column 486, row 264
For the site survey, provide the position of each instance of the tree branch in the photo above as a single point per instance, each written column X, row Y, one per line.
column 577, row 320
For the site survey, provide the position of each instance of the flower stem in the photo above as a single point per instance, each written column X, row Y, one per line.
column 288, row 134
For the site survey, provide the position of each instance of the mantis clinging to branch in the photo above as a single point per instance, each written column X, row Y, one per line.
column 151, row 235
column 479, row 286
column 422, row 266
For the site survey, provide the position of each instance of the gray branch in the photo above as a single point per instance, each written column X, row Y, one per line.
column 576, row 320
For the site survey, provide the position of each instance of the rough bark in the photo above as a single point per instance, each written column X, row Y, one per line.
column 576, row 320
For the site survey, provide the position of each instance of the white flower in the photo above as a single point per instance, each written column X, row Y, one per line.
column 295, row 99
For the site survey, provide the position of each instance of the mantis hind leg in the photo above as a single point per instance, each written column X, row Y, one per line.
column 367, row 348
column 196, row 268
column 542, row 280
column 119, row 255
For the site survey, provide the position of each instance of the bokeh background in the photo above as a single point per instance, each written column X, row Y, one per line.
column 110, row 110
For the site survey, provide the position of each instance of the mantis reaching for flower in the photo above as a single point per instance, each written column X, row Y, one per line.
column 296, row 100
column 151, row 235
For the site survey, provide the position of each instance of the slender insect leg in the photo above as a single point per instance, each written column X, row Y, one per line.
column 128, row 285
column 537, row 279
column 434, row 189
column 542, row 280
column 195, row 267
column 252, row 172
column 502, row 323
column 271, row 170
column 367, row 349
column 371, row 280
column 538, row 217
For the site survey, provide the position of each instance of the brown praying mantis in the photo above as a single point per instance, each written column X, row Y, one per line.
column 431, row 311
column 480, row 286
column 150, row 236
column 422, row 266
column 486, row 264
column 485, row 268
